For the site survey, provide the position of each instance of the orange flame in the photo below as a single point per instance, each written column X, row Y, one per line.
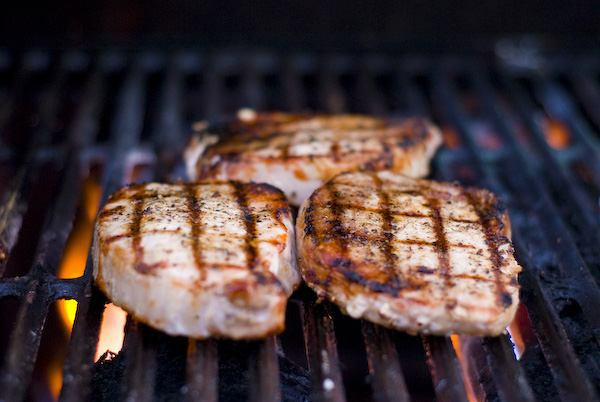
column 556, row 133
column 72, row 266
column 112, row 330
column 464, row 366
column 75, row 254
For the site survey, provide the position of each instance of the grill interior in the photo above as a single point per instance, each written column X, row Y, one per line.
column 75, row 126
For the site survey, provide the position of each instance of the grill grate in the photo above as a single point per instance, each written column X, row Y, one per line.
column 531, row 135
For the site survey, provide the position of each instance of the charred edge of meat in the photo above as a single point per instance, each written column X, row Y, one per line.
column 241, row 195
column 490, row 213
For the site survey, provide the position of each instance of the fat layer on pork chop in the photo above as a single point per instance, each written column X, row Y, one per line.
column 414, row 255
column 199, row 260
column 299, row 152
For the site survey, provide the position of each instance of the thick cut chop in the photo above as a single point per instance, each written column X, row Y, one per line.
column 199, row 260
column 414, row 255
column 299, row 152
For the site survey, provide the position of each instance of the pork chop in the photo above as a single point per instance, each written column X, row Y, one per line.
column 299, row 152
column 212, row 259
column 413, row 255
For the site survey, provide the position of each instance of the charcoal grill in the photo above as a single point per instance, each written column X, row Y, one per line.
column 525, row 126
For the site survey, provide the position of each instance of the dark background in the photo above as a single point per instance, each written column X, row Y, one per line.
column 308, row 23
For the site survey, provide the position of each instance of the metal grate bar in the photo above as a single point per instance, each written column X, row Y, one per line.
column 384, row 366
column 332, row 97
column 26, row 337
column 202, row 371
column 556, row 102
column 140, row 363
column 549, row 216
column 441, row 356
column 264, row 372
column 321, row 352
column 445, row 370
column 14, row 202
column 578, row 204
column 582, row 387
column 294, row 97
column 587, row 90
column 552, row 214
column 367, row 90
column 79, row 362
column 556, row 176
column 510, row 379
column 24, row 344
column 253, row 90
column 169, row 132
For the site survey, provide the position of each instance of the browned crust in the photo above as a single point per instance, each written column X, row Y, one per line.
column 240, row 139
column 323, row 257
column 139, row 193
column 239, row 292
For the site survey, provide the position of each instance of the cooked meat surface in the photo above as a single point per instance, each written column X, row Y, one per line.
column 414, row 255
column 299, row 152
column 212, row 259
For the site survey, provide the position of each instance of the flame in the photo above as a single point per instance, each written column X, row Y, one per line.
column 556, row 133
column 73, row 266
column 464, row 366
column 520, row 332
column 112, row 331
column 76, row 249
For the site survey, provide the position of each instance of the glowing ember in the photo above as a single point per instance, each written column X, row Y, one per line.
column 556, row 133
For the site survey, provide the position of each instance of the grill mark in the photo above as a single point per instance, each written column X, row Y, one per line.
column 194, row 212
column 242, row 140
column 381, row 240
column 441, row 245
column 343, row 264
column 413, row 191
column 491, row 224
column 111, row 239
column 335, row 151
column 337, row 229
column 407, row 214
column 386, row 216
column 136, row 239
column 425, row 271
column 249, row 222
column 384, row 161
column 109, row 213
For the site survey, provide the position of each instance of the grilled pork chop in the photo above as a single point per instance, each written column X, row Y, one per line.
column 413, row 255
column 200, row 260
column 298, row 152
